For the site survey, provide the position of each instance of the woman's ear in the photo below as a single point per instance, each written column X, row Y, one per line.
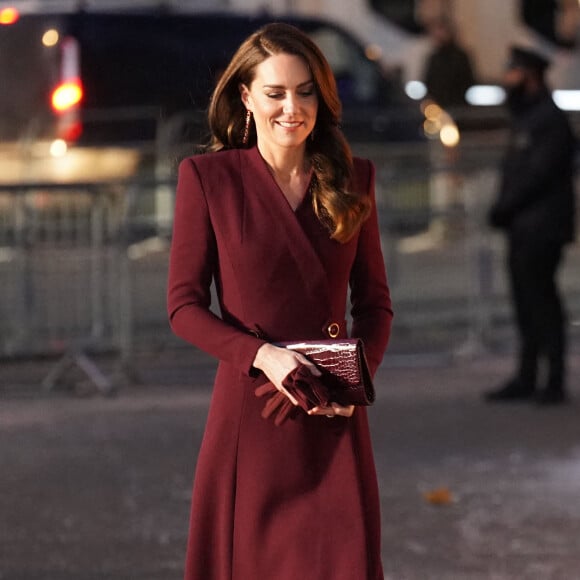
column 244, row 94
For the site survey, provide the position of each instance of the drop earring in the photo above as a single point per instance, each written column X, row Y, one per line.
column 246, row 135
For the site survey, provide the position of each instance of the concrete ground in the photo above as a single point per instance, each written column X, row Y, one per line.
column 98, row 488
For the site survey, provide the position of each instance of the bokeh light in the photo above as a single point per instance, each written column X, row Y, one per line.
column 449, row 135
column 485, row 95
column 567, row 100
column 373, row 52
column 67, row 95
column 9, row 15
column 416, row 90
column 50, row 37
column 58, row 148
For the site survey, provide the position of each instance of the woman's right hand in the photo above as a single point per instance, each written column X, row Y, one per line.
column 277, row 363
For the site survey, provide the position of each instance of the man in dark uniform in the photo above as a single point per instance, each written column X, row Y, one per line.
column 535, row 208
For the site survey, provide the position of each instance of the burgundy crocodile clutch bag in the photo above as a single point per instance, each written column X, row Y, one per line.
column 344, row 367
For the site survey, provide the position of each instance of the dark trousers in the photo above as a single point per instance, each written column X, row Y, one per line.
column 538, row 308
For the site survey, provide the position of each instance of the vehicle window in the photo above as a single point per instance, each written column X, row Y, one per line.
column 139, row 62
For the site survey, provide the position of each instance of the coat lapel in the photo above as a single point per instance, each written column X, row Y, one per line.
column 284, row 223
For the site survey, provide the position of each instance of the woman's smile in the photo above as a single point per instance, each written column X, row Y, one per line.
column 283, row 100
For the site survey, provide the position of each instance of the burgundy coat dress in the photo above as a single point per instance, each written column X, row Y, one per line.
column 299, row 501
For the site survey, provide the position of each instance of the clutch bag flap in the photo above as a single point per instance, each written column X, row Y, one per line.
column 344, row 365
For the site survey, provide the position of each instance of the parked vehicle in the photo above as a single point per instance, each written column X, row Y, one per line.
column 111, row 77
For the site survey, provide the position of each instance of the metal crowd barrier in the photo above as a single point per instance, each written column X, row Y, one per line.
column 83, row 266
column 66, row 286
column 446, row 267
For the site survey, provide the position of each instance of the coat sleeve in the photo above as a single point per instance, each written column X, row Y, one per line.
column 192, row 266
column 370, row 297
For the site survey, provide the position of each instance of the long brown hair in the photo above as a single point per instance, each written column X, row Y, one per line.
column 341, row 210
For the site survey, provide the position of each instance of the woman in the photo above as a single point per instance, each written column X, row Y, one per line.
column 283, row 219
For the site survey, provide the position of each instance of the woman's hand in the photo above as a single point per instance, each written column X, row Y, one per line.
column 276, row 363
column 333, row 410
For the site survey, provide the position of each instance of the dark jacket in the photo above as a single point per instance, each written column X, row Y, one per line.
column 536, row 197
column 448, row 75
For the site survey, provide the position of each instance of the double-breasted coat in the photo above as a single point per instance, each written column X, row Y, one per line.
column 298, row 501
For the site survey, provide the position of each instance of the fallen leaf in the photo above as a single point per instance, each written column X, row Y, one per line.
column 439, row 496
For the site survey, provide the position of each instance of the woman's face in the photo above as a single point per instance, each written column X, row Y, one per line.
column 283, row 100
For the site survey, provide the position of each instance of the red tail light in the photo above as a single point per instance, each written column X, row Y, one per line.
column 67, row 95
column 8, row 16
column 70, row 130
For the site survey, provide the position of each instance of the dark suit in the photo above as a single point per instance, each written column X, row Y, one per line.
column 535, row 207
column 299, row 500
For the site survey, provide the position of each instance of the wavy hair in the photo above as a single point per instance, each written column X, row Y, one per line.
column 341, row 210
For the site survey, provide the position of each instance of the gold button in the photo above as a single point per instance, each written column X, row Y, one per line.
column 333, row 330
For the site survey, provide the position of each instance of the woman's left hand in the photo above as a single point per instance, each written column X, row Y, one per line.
column 333, row 410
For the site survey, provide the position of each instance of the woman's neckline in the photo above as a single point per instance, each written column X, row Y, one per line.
column 294, row 187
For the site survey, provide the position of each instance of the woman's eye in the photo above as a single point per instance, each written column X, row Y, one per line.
column 305, row 93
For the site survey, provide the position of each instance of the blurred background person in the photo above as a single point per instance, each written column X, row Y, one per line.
column 535, row 208
column 449, row 71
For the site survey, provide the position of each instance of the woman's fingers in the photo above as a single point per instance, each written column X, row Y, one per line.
column 276, row 363
column 344, row 411
column 333, row 410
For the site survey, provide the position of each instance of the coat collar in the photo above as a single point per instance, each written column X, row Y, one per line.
column 258, row 180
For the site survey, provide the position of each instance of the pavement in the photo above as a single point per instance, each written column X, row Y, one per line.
column 95, row 487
